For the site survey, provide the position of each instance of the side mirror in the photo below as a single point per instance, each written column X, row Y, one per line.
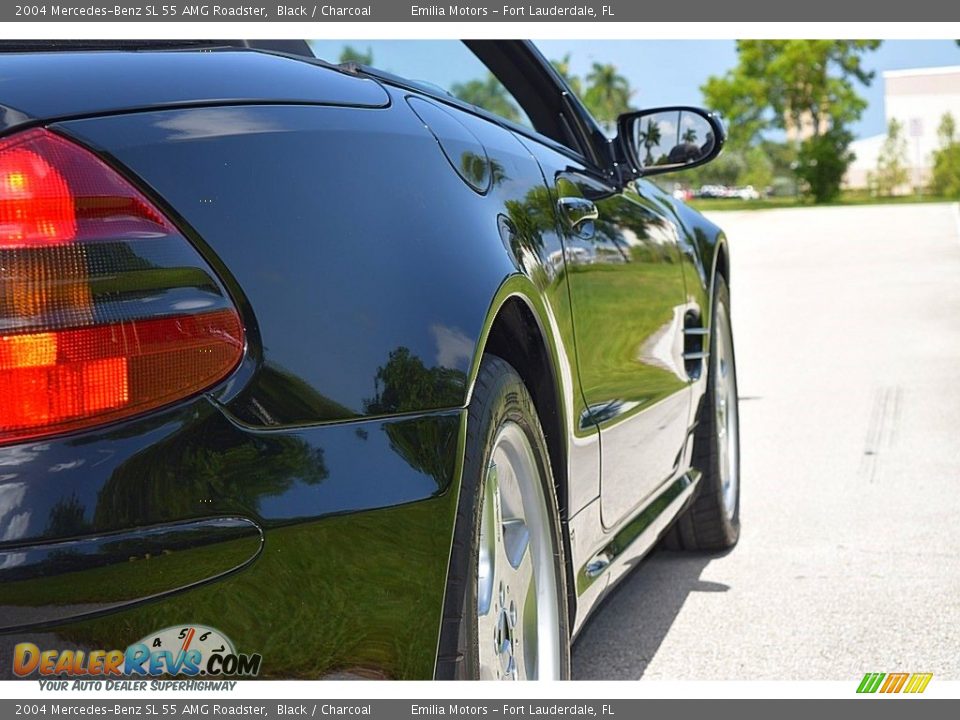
column 667, row 139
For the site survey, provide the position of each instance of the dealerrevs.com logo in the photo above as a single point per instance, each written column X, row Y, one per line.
column 182, row 650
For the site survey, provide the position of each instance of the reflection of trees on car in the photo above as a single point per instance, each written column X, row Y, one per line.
column 402, row 385
column 181, row 473
column 68, row 518
column 476, row 167
column 530, row 219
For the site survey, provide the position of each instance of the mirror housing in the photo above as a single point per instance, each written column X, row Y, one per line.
column 668, row 139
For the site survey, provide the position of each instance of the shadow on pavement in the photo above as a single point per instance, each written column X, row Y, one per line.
column 624, row 634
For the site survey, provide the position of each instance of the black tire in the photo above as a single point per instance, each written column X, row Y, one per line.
column 499, row 396
column 706, row 525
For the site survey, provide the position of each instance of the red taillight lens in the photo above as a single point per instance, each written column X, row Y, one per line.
column 36, row 206
column 106, row 310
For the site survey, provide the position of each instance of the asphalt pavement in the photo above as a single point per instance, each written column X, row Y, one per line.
column 847, row 332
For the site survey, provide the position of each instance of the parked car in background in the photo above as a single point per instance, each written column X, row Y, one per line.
column 747, row 192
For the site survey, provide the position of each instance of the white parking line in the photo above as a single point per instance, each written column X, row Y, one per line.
column 956, row 216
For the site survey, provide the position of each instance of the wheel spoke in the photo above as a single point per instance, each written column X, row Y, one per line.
column 527, row 616
column 489, row 573
column 517, row 626
column 516, row 540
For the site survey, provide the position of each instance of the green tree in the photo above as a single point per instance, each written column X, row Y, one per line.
column 946, row 161
column 892, row 161
column 563, row 68
column 758, row 170
column 783, row 155
column 650, row 138
column 488, row 94
column 947, row 131
column 349, row 54
column 727, row 169
column 822, row 161
column 608, row 93
column 742, row 102
column 804, row 87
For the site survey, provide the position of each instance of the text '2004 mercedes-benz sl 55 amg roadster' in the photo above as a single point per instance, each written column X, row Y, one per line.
column 313, row 368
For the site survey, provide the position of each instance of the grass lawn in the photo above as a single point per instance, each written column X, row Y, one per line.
column 784, row 202
column 354, row 592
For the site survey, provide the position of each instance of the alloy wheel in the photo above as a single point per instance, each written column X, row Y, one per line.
column 518, row 631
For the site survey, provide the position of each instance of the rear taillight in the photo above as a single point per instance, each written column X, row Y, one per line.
column 106, row 310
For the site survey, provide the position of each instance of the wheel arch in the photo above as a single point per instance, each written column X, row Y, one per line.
column 721, row 261
column 714, row 260
column 518, row 329
column 521, row 329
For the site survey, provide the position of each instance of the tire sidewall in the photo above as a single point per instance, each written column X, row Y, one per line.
column 502, row 399
column 731, row 524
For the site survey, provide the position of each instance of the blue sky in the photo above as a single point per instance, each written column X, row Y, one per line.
column 664, row 72
column 669, row 72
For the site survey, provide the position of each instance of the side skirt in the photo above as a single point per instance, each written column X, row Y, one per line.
column 620, row 550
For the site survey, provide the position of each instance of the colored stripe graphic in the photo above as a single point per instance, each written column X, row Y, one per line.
column 913, row 683
column 918, row 682
column 894, row 683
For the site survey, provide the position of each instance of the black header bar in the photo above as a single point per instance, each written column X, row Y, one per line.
column 483, row 11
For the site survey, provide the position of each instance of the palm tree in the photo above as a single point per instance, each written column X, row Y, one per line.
column 608, row 95
column 650, row 139
column 690, row 135
column 563, row 68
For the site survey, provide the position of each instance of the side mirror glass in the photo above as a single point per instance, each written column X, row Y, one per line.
column 668, row 139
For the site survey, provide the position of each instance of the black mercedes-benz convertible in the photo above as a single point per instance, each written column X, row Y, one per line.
column 313, row 368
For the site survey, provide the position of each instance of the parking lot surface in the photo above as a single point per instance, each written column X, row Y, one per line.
column 847, row 326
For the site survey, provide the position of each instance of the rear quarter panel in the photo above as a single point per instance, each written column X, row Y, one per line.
column 367, row 273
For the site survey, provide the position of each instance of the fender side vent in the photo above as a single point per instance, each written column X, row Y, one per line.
column 696, row 343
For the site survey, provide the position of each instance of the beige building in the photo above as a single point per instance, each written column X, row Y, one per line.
column 919, row 99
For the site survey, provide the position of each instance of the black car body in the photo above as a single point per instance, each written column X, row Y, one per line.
column 376, row 239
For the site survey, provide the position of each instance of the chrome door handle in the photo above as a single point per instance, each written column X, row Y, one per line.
column 577, row 210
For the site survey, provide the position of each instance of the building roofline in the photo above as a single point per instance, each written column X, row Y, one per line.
column 945, row 70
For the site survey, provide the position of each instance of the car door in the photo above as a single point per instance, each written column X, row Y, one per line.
column 628, row 300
